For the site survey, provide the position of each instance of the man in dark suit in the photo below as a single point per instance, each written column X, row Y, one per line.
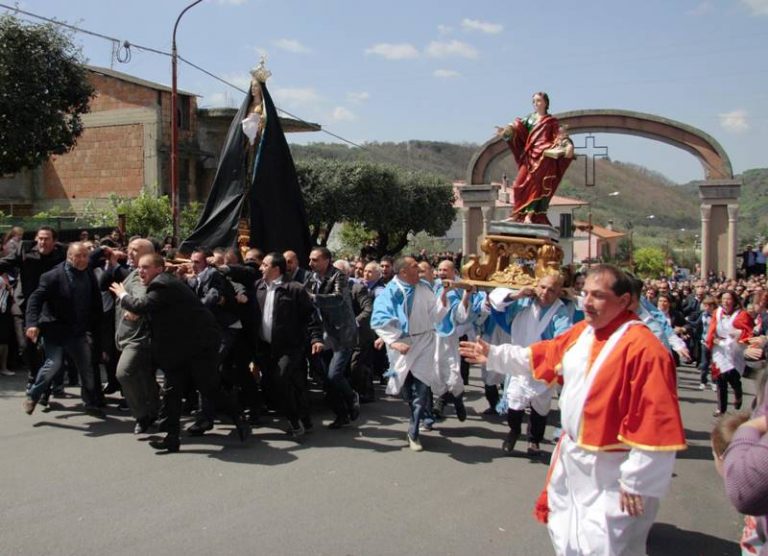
column 28, row 263
column 64, row 308
column 293, row 268
column 185, row 345
column 217, row 295
column 283, row 320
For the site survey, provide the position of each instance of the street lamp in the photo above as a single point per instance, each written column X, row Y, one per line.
column 175, row 130
column 589, row 225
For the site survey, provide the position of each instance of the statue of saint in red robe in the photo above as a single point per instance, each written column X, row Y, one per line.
column 543, row 152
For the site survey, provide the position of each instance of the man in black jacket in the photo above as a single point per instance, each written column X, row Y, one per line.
column 28, row 263
column 185, row 345
column 329, row 291
column 64, row 308
column 284, row 318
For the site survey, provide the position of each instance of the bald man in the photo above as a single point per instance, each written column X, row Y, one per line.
column 135, row 370
column 64, row 308
column 293, row 269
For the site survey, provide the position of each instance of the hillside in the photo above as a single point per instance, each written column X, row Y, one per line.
column 642, row 192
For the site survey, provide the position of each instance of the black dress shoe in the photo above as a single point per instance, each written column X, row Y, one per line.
column 338, row 423
column 461, row 411
column 168, row 444
column 306, row 422
column 199, row 428
column 111, row 388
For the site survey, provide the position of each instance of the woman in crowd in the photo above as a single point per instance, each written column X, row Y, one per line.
column 728, row 336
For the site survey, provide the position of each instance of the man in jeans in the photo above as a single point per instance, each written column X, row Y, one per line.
column 404, row 317
column 63, row 309
column 329, row 290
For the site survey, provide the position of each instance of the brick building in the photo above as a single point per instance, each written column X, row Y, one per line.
column 125, row 147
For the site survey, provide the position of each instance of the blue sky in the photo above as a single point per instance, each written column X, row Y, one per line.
column 450, row 70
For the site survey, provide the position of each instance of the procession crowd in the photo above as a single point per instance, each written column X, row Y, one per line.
column 243, row 337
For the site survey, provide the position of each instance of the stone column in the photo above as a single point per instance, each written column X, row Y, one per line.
column 733, row 238
column 705, row 239
column 477, row 201
column 465, row 239
column 720, row 206
column 487, row 215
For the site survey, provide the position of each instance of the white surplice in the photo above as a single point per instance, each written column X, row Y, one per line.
column 585, row 516
column 426, row 311
column 522, row 390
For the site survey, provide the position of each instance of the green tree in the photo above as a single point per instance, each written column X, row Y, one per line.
column 385, row 201
column 147, row 215
column 44, row 90
column 354, row 237
column 649, row 261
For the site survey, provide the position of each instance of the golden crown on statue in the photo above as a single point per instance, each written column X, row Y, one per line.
column 260, row 73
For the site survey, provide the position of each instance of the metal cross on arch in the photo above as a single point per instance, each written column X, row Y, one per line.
column 589, row 152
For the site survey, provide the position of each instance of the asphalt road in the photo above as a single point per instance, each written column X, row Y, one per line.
column 73, row 484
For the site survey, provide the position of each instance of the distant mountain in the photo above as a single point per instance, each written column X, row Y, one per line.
column 444, row 159
column 642, row 191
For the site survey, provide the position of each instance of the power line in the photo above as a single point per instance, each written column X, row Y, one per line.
column 126, row 57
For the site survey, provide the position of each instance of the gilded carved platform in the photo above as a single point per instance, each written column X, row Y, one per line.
column 512, row 261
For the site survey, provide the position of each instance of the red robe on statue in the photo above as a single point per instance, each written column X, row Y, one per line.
column 538, row 176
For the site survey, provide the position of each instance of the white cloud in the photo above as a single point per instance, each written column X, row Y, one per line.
column 296, row 96
column 341, row 114
column 362, row 96
column 703, row 8
column 291, row 45
column 735, row 121
column 446, row 74
column 444, row 29
column 758, row 7
column 401, row 51
column 454, row 48
column 483, row 26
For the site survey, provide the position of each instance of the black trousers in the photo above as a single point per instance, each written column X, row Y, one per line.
column 733, row 378
column 199, row 371
column 287, row 375
column 536, row 424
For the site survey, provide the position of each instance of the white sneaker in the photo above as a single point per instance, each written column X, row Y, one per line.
column 702, row 386
column 6, row 372
column 714, row 387
column 414, row 445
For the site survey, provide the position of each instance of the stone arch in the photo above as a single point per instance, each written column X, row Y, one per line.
column 705, row 148
column 718, row 192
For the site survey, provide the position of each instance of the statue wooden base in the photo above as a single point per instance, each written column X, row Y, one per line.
column 514, row 260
